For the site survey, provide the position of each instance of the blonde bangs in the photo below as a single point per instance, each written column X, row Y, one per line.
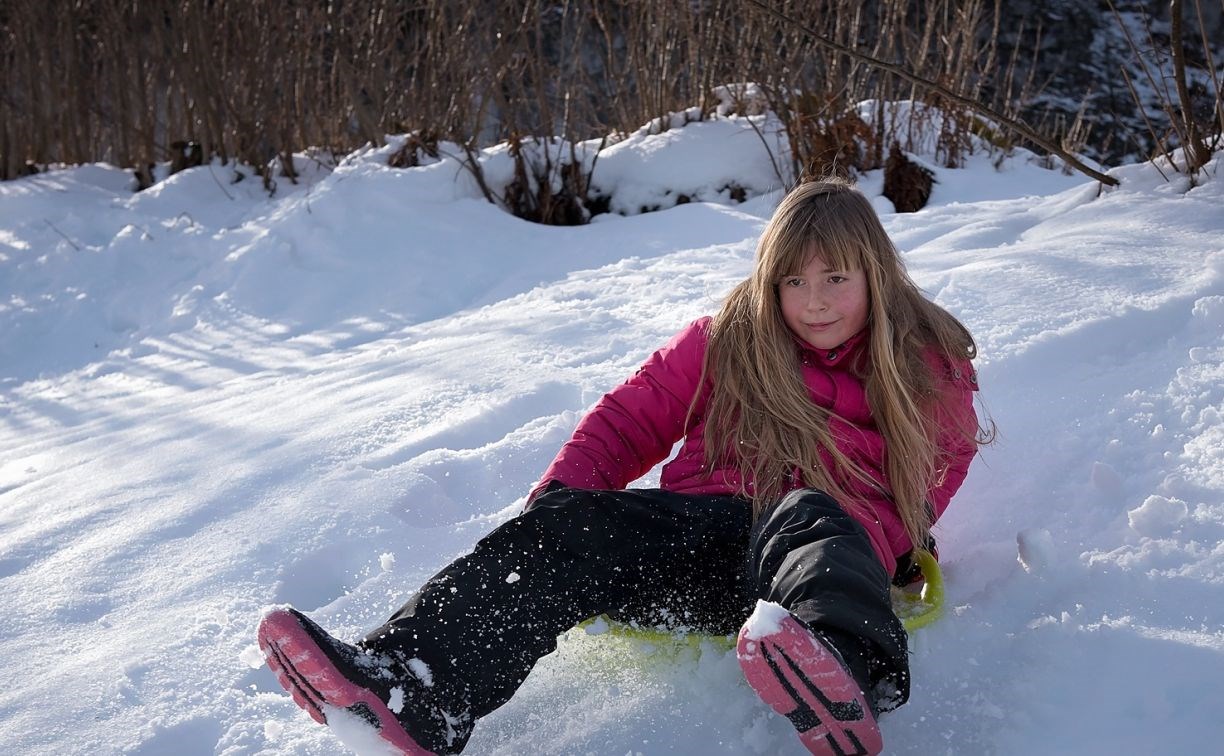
column 832, row 229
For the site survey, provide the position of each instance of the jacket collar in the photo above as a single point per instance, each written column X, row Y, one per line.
column 834, row 356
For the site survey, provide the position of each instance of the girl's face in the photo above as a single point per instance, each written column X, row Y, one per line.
column 823, row 306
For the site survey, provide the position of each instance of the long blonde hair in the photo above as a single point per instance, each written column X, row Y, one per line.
column 760, row 417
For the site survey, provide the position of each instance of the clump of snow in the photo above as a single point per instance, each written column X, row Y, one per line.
column 744, row 98
column 1035, row 549
column 1209, row 313
column 252, row 656
column 513, row 577
column 1158, row 516
column 386, row 561
column 357, row 735
column 422, row 671
column 396, row 702
column 766, row 619
column 273, row 730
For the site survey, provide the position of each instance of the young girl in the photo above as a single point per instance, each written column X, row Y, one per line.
column 827, row 418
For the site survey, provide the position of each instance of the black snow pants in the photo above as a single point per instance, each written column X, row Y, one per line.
column 649, row 555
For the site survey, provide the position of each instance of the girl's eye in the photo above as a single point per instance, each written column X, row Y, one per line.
column 794, row 282
column 836, row 279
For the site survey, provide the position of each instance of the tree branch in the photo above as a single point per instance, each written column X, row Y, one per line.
column 1196, row 152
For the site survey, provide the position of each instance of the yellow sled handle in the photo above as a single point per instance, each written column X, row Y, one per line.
column 916, row 610
column 928, row 606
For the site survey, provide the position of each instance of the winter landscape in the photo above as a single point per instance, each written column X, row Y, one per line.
column 213, row 400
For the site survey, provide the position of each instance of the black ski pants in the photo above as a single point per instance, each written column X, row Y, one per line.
column 649, row 555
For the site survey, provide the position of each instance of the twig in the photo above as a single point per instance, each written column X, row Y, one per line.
column 1160, row 143
column 218, row 181
column 61, row 233
column 472, row 164
column 765, row 143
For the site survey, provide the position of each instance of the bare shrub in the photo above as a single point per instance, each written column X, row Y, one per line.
column 907, row 184
column 417, row 144
column 546, row 188
column 1194, row 111
column 133, row 81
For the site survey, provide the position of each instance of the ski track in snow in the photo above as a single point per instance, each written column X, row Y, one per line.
column 204, row 412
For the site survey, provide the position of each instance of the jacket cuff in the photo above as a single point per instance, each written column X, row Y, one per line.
column 543, row 487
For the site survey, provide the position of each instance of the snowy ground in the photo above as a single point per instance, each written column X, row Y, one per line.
column 211, row 401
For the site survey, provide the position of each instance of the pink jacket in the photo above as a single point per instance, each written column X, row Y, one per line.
column 636, row 425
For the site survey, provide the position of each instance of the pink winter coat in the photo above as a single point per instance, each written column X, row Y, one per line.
column 636, row 425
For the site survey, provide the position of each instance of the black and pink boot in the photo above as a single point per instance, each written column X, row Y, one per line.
column 323, row 673
column 808, row 682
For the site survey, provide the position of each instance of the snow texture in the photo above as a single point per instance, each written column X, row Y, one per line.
column 765, row 620
column 212, row 401
column 356, row 734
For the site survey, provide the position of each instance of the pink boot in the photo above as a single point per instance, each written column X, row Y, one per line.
column 807, row 682
column 320, row 671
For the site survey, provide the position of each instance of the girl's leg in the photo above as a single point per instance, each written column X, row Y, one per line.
column 467, row 639
column 815, row 560
column 479, row 626
column 818, row 650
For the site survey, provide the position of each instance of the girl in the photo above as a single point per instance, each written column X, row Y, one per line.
column 827, row 418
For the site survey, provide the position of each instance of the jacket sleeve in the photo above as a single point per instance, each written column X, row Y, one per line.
column 634, row 426
column 958, row 425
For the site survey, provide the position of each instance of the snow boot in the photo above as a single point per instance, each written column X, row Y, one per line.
column 804, row 677
column 320, row 671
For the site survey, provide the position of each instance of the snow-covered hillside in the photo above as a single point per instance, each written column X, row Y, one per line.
column 211, row 401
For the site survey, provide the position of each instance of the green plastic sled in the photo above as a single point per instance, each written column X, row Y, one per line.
column 915, row 608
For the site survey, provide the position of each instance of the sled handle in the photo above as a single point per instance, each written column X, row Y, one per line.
column 932, row 594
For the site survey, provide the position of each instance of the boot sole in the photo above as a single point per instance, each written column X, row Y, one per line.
column 802, row 680
column 305, row 671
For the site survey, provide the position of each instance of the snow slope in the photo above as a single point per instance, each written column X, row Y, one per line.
column 211, row 401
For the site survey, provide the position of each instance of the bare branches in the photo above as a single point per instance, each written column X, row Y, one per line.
column 1012, row 124
column 1181, row 113
column 256, row 81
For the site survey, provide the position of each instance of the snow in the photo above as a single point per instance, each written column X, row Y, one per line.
column 396, row 702
column 702, row 161
column 357, row 734
column 422, row 671
column 1034, row 549
column 766, row 619
column 212, row 401
column 1158, row 516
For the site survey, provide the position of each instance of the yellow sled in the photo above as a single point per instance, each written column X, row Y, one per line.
column 916, row 608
